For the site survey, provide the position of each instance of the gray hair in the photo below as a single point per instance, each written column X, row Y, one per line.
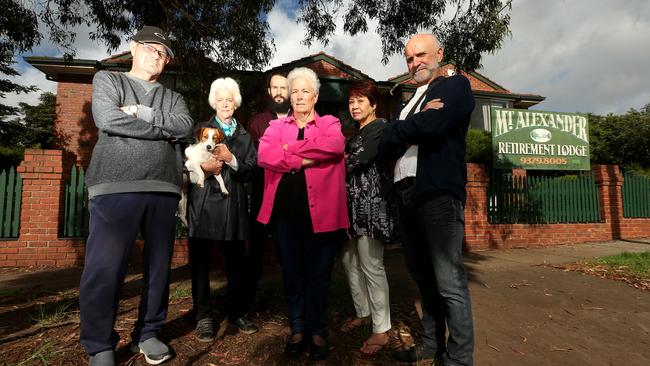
column 303, row 72
column 227, row 84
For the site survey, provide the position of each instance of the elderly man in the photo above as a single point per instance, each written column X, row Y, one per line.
column 278, row 107
column 133, row 184
column 429, row 192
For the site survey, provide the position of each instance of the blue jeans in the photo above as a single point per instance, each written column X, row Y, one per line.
column 431, row 228
column 306, row 260
column 115, row 220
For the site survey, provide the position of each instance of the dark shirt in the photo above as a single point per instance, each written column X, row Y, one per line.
column 440, row 136
column 256, row 128
column 258, row 124
column 291, row 201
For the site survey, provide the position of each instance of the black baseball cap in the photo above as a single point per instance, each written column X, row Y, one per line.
column 149, row 34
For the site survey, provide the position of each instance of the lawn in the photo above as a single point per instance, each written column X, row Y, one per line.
column 631, row 268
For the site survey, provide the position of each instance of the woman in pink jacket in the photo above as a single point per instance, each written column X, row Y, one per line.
column 305, row 202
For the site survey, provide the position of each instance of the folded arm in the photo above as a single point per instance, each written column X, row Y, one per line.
column 435, row 124
column 272, row 156
column 150, row 123
column 326, row 147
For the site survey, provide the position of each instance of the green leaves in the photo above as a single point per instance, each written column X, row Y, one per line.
column 623, row 140
column 465, row 29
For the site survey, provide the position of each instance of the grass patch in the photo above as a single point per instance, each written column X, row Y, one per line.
column 41, row 356
column 45, row 316
column 628, row 264
column 181, row 292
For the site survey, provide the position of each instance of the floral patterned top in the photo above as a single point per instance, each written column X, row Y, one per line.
column 369, row 212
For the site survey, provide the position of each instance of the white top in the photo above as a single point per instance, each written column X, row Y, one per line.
column 407, row 165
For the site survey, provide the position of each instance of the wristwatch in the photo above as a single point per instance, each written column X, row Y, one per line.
column 133, row 109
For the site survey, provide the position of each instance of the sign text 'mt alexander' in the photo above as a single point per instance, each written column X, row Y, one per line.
column 508, row 120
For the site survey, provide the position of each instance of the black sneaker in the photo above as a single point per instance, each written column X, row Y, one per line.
column 318, row 352
column 204, row 331
column 415, row 354
column 294, row 350
column 245, row 325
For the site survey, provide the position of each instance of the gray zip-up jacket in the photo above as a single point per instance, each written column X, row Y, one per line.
column 136, row 154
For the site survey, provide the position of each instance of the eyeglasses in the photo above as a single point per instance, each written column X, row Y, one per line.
column 153, row 51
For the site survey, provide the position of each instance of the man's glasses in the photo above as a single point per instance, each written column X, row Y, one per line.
column 153, row 51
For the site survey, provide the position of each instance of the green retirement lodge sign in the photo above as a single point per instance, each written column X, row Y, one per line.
column 527, row 139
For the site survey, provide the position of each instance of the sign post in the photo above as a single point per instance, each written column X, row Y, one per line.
column 527, row 139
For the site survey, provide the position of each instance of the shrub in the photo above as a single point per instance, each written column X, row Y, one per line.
column 479, row 146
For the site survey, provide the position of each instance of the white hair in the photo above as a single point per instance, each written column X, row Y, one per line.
column 303, row 72
column 227, row 84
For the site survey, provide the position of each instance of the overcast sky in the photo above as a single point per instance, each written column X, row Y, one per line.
column 582, row 55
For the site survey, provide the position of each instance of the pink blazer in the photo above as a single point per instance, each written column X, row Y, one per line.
column 324, row 143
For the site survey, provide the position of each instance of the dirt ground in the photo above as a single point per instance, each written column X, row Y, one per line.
column 526, row 312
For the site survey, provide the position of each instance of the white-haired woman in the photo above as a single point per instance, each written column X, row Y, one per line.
column 305, row 201
column 214, row 216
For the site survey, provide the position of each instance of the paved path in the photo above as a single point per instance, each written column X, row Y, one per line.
column 526, row 314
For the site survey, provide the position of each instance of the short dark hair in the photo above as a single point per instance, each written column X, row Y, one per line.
column 271, row 75
column 364, row 88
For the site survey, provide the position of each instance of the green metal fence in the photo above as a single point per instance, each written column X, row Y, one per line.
column 76, row 217
column 636, row 195
column 11, row 189
column 542, row 199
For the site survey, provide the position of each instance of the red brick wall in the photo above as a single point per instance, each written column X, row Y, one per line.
column 75, row 130
column 479, row 234
column 45, row 173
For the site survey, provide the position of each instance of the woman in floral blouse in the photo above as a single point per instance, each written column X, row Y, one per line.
column 370, row 222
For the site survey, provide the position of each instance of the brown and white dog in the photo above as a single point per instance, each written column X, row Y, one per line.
column 209, row 138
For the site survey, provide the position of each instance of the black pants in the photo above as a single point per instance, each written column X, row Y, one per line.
column 306, row 260
column 255, row 258
column 259, row 234
column 115, row 220
column 237, row 292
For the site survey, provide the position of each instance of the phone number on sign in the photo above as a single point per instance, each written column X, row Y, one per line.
column 544, row 161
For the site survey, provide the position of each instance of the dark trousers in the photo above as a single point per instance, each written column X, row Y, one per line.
column 432, row 235
column 115, row 220
column 255, row 258
column 306, row 260
column 234, row 258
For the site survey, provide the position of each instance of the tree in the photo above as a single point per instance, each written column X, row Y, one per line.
column 476, row 27
column 622, row 140
column 18, row 33
column 236, row 34
column 35, row 129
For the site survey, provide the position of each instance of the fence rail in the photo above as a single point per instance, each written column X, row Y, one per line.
column 75, row 217
column 11, row 188
column 543, row 199
column 636, row 195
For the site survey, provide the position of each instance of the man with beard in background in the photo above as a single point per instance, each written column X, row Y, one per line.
column 278, row 107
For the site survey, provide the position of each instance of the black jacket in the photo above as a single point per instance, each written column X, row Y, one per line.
column 212, row 215
column 440, row 136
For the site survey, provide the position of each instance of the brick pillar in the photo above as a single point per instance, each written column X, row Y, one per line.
column 476, row 220
column 43, row 177
column 520, row 173
column 610, row 181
